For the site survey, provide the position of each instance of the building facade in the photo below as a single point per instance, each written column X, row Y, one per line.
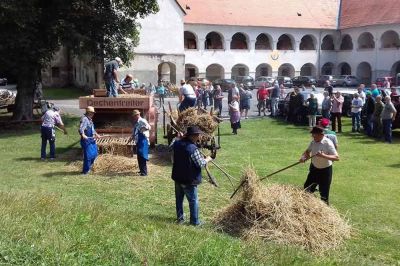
column 228, row 38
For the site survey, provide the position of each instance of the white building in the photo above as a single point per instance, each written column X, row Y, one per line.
column 227, row 38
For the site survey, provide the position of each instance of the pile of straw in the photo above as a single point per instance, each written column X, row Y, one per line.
column 108, row 164
column 191, row 117
column 285, row 215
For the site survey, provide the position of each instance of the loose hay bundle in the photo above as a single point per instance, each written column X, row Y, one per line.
column 109, row 164
column 190, row 117
column 283, row 214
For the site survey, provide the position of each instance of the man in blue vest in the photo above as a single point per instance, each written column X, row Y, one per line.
column 186, row 172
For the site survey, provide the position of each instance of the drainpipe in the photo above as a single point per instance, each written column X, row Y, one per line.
column 319, row 55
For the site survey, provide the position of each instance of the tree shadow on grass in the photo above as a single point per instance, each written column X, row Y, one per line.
column 395, row 165
column 161, row 218
column 61, row 173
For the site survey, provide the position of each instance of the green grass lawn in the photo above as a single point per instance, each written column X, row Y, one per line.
column 63, row 93
column 52, row 215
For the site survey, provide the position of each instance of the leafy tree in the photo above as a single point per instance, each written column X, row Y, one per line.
column 33, row 30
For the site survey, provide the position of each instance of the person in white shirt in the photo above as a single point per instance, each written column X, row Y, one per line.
column 141, row 135
column 187, row 96
column 361, row 93
column 322, row 153
column 234, row 113
column 49, row 120
column 356, row 106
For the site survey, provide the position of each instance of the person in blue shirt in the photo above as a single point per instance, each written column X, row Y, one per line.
column 186, row 172
column 161, row 92
column 111, row 76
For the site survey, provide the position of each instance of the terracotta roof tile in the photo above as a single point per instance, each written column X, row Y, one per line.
column 270, row 13
column 371, row 12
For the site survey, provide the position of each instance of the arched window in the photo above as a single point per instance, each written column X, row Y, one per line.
column 327, row 69
column 364, row 73
column 215, row 71
column 239, row 41
column 213, row 41
column 308, row 70
column 344, row 69
column 263, row 70
column 327, row 43
column 307, row 43
column 191, row 71
column 284, row 43
column 239, row 70
column 167, row 72
column 390, row 39
column 190, row 40
column 347, row 43
column 366, row 41
column 263, row 42
column 286, row 70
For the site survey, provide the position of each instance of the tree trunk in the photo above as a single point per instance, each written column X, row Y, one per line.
column 26, row 84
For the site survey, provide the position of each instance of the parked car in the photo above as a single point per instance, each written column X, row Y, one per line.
column 380, row 81
column 224, row 83
column 286, row 81
column 247, row 81
column 304, row 80
column 345, row 81
column 3, row 81
column 321, row 82
column 284, row 105
column 262, row 81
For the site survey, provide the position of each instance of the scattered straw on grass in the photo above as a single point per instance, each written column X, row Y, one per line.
column 285, row 215
column 109, row 164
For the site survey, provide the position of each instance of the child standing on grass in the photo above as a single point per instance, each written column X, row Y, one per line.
column 312, row 104
column 234, row 114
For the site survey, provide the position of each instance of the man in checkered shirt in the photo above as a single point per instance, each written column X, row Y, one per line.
column 186, row 172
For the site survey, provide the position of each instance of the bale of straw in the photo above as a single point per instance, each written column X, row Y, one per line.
column 108, row 164
column 191, row 117
column 285, row 215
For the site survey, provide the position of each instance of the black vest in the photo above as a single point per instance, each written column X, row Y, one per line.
column 184, row 170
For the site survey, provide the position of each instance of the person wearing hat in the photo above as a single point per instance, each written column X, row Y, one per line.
column 322, row 153
column 88, row 139
column 141, row 135
column 50, row 119
column 111, row 76
column 330, row 134
column 186, row 172
column 187, row 96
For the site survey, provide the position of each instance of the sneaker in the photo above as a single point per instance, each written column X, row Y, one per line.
column 143, row 174
column 43, row 159
column 180, row 221
column 52, row 159
column 246, row 117
column 200, row 223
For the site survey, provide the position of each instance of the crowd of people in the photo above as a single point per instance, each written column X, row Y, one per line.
column 374, row 104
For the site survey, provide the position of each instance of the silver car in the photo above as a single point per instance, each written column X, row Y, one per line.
column 345, row 81
column 262, row 81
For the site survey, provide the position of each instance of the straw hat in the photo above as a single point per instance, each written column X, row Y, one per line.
column 90, row 109
column 135, row 112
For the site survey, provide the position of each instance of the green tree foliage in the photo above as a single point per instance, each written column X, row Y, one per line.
column 33, row 30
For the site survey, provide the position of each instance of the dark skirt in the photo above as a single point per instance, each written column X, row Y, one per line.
column 236, row 125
